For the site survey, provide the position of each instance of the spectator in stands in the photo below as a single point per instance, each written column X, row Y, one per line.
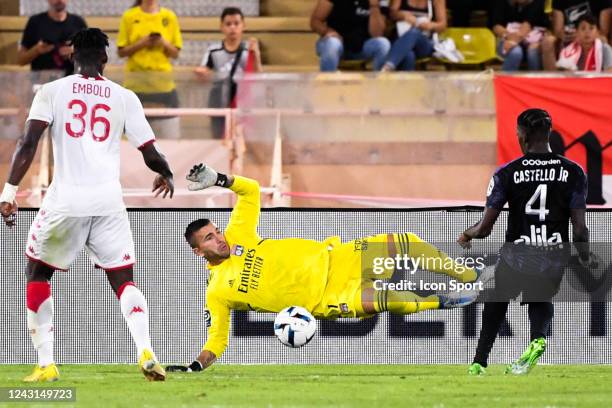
column 350, row 30
column 520, row 27
column 227, row 58
column 416, row 21
column 221, row 56
column 565, row 16
column 588, row 52
column 45, row 43
column 150, row 37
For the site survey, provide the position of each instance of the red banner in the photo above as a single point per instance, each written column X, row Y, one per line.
column 581, row 111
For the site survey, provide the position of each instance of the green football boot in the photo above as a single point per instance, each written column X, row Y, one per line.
column 476, row 369
column 529, row 359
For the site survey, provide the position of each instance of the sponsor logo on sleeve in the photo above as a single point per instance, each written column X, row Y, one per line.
column 491, row 185
column 207, row 318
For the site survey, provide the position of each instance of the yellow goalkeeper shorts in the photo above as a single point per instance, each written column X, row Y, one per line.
column 347, row 276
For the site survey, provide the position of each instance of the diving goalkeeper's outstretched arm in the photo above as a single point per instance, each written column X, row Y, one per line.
column 242, row 224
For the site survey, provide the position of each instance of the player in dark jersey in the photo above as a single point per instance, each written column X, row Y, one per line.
column 543, row 191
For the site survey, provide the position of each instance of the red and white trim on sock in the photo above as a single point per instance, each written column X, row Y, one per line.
column 40, row 320
column 122, row 288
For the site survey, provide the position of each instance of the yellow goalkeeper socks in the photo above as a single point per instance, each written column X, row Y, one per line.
column 403, row 302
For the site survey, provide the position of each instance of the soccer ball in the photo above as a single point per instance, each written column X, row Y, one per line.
column 294, row 326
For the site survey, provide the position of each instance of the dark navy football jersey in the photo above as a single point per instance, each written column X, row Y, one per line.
column 540, row 189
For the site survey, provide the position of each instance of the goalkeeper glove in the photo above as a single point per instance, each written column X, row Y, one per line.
column 202, row 176
column 195, row 366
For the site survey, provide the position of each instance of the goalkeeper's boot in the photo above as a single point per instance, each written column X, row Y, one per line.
column 529, row 359
column 457, row 299
column 150, row 367
column 43, row 374
column 476, row 369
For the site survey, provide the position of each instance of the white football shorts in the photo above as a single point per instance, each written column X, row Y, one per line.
column 56, row 240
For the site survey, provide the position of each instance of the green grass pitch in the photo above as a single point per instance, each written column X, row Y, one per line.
column 371, row 386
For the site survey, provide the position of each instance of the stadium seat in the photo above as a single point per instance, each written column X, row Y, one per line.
column 476, row 44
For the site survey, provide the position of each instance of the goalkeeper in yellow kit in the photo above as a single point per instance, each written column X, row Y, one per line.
column 248, row 272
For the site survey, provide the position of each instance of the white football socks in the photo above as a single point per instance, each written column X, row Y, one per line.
column 136, row 313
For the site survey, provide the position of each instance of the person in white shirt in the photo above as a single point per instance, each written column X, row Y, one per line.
column 86, row 115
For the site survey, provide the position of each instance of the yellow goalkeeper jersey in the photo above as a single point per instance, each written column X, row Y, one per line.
column 265, row 275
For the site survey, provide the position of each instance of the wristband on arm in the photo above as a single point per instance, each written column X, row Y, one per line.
column 9, row 193
column 193, row 367
column 222, row 180
column 196, row 366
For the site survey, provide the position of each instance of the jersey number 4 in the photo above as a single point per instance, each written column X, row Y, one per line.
column 541, row 212
column 79, row 110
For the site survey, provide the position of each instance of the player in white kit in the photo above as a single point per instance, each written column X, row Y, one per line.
column 86, row 115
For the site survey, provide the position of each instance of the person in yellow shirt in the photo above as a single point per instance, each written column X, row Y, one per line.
column 248, row 272
column 150, row 37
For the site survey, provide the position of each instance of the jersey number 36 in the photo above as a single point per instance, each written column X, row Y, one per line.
column 76, row 127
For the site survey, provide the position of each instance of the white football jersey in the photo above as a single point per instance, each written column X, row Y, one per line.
column 87, row 118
